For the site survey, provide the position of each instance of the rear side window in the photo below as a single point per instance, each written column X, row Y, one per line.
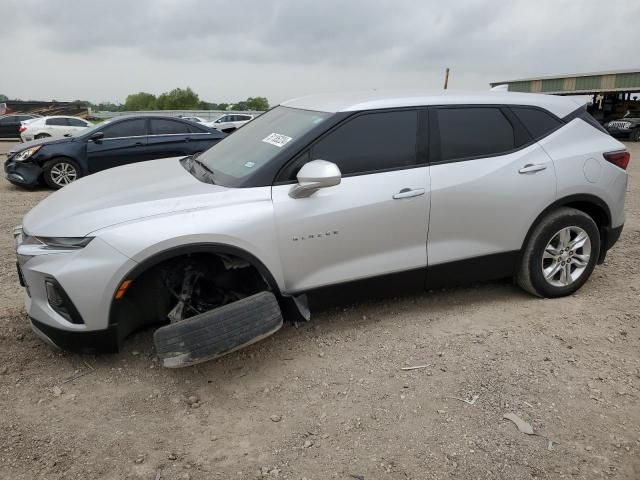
column 538, row 122
column 57, row 122
column 474, row 132
column 371, row 142
column 168, row 127
column 127, row 128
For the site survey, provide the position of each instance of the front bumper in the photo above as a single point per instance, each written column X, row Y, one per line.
column 88, row 277
column 620, row 132
column 26, row 174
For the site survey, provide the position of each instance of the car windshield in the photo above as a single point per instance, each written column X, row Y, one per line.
column 258, row 142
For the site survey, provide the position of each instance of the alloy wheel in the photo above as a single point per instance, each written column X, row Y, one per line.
column 63, row 173
column 566, row 256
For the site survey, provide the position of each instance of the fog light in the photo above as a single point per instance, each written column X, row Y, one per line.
column 53, row 295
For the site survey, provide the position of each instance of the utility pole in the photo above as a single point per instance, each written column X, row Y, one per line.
column 446, row 78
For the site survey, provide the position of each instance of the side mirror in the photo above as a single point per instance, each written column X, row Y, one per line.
column 97, row 136
column 315, row 175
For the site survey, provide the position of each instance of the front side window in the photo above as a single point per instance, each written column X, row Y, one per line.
column 126, row 128
column 472, row 132
column 76, row 122
column 371, row 142
column 259, row 142
column 168, row 127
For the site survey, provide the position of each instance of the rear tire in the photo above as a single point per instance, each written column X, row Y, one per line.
column 635, row 135
column 560, row 255
column 60, row 172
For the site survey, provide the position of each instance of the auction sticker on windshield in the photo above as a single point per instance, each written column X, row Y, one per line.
column 277, row 139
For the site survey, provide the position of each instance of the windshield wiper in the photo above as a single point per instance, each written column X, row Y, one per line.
column 204, row 166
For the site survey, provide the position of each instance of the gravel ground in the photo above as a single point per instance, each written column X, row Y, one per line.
column 329, row 399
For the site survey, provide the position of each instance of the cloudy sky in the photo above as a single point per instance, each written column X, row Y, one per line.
column 227, row 51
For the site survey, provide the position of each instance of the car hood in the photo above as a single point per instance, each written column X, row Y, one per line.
column 119, row 195
column 42, row 141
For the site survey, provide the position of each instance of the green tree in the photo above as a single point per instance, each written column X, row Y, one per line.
column 257, row 103
column 221, row 106
column 178, row 99
column 3, row 98
column 141, row 101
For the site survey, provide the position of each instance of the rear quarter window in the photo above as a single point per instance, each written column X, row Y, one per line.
column 538, row 122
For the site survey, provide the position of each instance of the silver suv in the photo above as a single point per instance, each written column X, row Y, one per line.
column 320, row 191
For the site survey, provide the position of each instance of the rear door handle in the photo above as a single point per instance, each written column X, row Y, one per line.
column 531, row 168
column 408, row 193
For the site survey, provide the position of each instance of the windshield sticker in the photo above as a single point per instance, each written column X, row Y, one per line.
column 277, row 140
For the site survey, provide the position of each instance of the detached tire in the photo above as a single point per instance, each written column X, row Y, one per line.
column 218, row 332
column 60, row 172
column 560, row 254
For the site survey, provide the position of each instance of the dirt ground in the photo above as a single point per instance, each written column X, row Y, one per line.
column 329, row 399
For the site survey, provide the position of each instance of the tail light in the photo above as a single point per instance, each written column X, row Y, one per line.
column 619, row 159
column 22, row 128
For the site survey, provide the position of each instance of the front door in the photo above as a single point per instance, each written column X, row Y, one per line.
column 124, row 142
column 374, row 222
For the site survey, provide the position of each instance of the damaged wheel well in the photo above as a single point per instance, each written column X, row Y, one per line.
column 183, row 282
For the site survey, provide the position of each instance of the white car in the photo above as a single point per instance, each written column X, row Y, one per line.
column 55, row 127
column 320, row 192
column 229, row 123
column 196, row 120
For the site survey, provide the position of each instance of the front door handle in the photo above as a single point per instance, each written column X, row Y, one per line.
column 139, row 144
column 408, row 193
column 532, row 168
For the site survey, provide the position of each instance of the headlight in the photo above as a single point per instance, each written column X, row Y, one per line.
column 66, row 242
column 57, row 243
column 24, row 154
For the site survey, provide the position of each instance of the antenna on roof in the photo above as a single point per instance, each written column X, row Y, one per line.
column 446, row 78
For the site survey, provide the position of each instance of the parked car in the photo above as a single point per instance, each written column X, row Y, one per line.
column 315, row 193
column 10, row 125
column 231, row 122
column 626, row 127
column 120, row 141
column 196, row 120
column 54, row 127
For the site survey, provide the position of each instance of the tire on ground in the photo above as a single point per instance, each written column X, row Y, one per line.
column 51, row 163
column 635, row 135
column 530, row 276
column 218, row 332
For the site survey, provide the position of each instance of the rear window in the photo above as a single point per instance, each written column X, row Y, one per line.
column 538, row 122
column 473, row 132
column 168, row 127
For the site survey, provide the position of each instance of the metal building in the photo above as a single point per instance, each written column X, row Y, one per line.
column 613, row 92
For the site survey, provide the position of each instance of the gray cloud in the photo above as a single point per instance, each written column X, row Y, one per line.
column 268, row 47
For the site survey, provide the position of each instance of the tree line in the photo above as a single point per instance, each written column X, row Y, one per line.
column 176, row 99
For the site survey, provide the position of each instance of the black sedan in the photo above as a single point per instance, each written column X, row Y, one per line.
column 10, row 124
column 112, row 143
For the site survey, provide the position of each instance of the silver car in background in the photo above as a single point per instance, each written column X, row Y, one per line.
column 439, row 187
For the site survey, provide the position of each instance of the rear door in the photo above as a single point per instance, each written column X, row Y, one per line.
column 489, row 181
column 124, row 142
column 374, row 222
column 76, row 125
column 169, row 138
column 56, row 126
